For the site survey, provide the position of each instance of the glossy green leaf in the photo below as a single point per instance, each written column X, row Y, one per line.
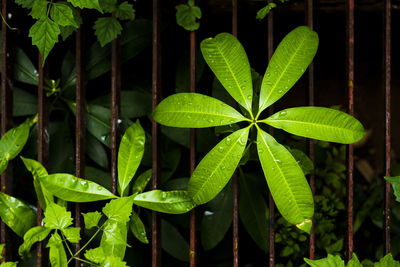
column 95, row 255
column 286, row 181
column 354, row 262
column 192, row 110
column 33, row 235
column 174, row 202
column 119, row 209
column 217, row 167
column 130, row 154
column 112, row 261
column 228, row 60
column 173, row 242
column 138, row 229
column 72, row 234
column 217, row 219
column 141, row 182
column 288, row 63
column 57, row 255
column 57, row 217
column 387, row 261
column 330, row 261
column 113, row 241
column 303, row 160
column 24, row 70
column 395, row 181
column 254, row 212
column 71, row 188
column 16, row 214
column 91, row 219
column 62, row 14
column 318, row 123
column 96, row 151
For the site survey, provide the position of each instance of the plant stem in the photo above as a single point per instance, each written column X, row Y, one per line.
column 66, row 244
column 85, row 261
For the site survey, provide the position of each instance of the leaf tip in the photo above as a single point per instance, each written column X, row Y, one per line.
column 305, row 226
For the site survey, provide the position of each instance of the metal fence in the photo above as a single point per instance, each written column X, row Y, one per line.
column 115, row 84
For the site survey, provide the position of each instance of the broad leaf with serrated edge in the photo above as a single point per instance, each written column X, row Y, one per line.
column 228, row 60
column 57, row 217
column 39, row 9
column 354, row 262
column 72, row 234
column 125, row 11
column 174, row 202
column 92, row 4
column 95, row 255
column 63, row 15
column 112, row 261
column 113, row 241
column 187, row 15
column 289, row 61
column 286, row 181
column 33, row 235
column 107, row 29
column 119, row 209
column 91, row 219
column 217, row 167
column 130, row 154
column 71, row 188
column 57, row 255
column 331, row 261
column 25, row 3
column 192, row 110
column 137, row 228
column 387, row 261
column 44, row 35
column 318, row 123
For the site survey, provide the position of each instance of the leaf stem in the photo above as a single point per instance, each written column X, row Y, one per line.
column 5, row 22
column 66, row 244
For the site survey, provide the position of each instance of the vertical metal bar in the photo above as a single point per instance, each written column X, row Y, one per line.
column 6, row 116
column 310, row 23
column 193, row 237
column 350, row 85
column 80, row 127
column 155, row 132
column 387, row 81
column 271, row 204
column 235, row 185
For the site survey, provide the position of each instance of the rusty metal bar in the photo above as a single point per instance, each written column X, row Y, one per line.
column 155, row 131
column 80, row 126
column 193, row 237
column 387, row 81
column 310, row 23
column 6, row 116
column 350, row 86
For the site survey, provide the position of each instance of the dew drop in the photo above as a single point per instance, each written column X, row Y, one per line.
column 260, row 151
column 140, row 141
column 103, row 138
column 221, row 148
column 163, row 196
column 243, row 87
column 282, row 113
column 188, row 117
column 211, row 120
column 222, row 167
column 99, row 188
column 144, row 196
column 249, row 97
column 212, row 60
column 119, row 121
column 228, row 140
column 286, row 87
column 84, row 184
column 280, row 91
column 268, row 74
column 189, row 103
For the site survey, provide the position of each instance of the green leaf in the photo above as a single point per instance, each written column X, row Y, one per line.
column 107, row 29
column 66, row 31
column 173, row 242
column 57, row 255
column 71, row 188
column 44, row 35
column 91, row 219
column 228, row 60
column 395, row 181
column 57, row 217
column 387, row 261
column 138, row 229
column 16, row 214
column 331, row 261
column 191, row 110
column 288, row 63
column 130, row 154
column 95, row 255
column 141, row 182
column 125, row 11
column 217, row 167
column 264, row 11
column 286, row 181
column 24, row 70
column 217, row 219
column 119, row 209
column 73, row 234
column 303, row 160
column 187, row 15
column 354, row 262
column 33, row 235
column 92, row 4
column 39, row 9
column 113, row 241
column 318, row 123
column 96, row 151
column 174, row 202
column 1, row 250
column 63, row 15
column 112, row 261
column 254, row 212
column 108, row 5
column 25, row 3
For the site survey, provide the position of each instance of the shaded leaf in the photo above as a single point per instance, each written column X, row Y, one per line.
column 96, row 151
column 303, row 160
column 125, row 11
column 187, row 15
column 138, row 229
column 24, row 70
column 63, row 15
column 141, row 182
column 25, row 3
column 107, row 29
column 173, row 242
column 395, row 181
column 92, row 4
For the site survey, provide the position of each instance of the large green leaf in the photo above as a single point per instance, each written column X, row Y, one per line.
column 319, row 123
column 289, row 62
column 286, row 181
column 24, row 103
column 33, row 235
column 24, row 70
column 191, row 110
column 174, row 202
column 330, row 261
column 57, row 217
column 57, row 255
column 16, row 214
column 113, row 241
column 119, row 209
column 217, row 167
column 130, row 154
column 71, row 188
column 228, row 60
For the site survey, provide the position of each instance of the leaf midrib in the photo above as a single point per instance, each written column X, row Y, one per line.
column 77, row 191
column 205, row 113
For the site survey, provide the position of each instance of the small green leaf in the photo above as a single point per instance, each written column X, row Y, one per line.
column 112, row 261
column 331, row 261
column 217, row 167
column 9, row 264
column 63, row 15
column 95, row 255
column 354, row 262
column 91, row 219
column 138, row 229
column 174, row 202
column 44, row 34
column 192, row 110
column 16, row 214
column 25, row 3
column 107, row 29
column 57, row 255
column 228, row 60
column 395, row 181
column 265, row 10
column 73, row 234
column 113, row 241
column 39, row 9
column 71, row 188
column 125, row 11
column 387, row 261
column 57, row 217
column 141, row 182
column 130, row 154
column 92, row 4
column 318, row 123
column 33, row 235
column 119, row 209
column 187, row 15
column 1, row 250
column 108, row 5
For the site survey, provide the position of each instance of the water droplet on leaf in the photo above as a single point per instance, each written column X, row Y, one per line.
column 282, row 113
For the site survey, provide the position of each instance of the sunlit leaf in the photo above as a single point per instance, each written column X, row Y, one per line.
column 141, row 182
column 91, row 219
column 119, row 209
column 57, row 217
column 331, row 261
column 33, row 235
column 57, row 255
column 113, row 241
column 395, row 181
column 387, row 261
column 72, row 234
column 95, row 255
